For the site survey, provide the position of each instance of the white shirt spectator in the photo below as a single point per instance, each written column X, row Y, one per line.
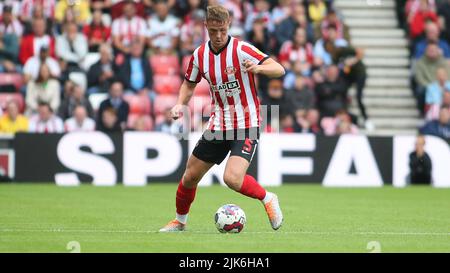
column 15, row 28
column 52, row 125
column 129, row 29
column 162, row 32
column 33, row 64
column 72, row 125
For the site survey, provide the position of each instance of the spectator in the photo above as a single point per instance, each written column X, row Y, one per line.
column 31, row 68
column 79, row 120
column 70, row 102
column 340, row 124
column 420, row 165
column 81, row 10
column 440, row 127
column 418, row 21
column 317, row 11
column 260, row 11
column 332, row 18
column 96, row 32
column 9, row 24
column 350, row 61
column 193, row 33
column 14, row 4
column 281, row 11
column 28, row 7
column 31, row 44
column 331, row 94
column 109, row 121
column 119, row 106
column 286, row 123
column 426, row 69
column 307, row 122
column 43, row 89
column 301, row 96
column 127, row 28
column 9, row 52
column 278, row 102
column 163, row 29
column 136, row 73
column 432, row 36
column 72, row 47
column 297, row 50
column 102, row 5
column 168, row 125
column 141, row 124
column 324, row 46
column 100, row 74
column 444, row 13
column 12, row 121
column 435, row 92
column 285, row 30
column 259, row 35
column 45, row 121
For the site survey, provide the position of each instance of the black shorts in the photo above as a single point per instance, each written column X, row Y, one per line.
column 214, row 146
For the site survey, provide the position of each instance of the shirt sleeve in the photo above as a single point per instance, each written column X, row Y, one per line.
column 193, row 74
column 249, row 52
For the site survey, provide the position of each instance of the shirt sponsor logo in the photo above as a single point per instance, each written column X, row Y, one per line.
column 229, row 88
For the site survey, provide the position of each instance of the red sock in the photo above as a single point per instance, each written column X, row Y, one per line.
column 184, row 199
column 252, row 189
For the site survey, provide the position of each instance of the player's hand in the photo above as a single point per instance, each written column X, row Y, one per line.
column 176, row 111
column 251, row 67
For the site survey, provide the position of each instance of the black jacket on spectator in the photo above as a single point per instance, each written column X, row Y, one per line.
column 93, row 77
column 331, row 97
column 420, row 168
column 124, row 73
column 122, row 113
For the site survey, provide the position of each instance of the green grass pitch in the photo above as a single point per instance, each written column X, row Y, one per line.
column 45, row 218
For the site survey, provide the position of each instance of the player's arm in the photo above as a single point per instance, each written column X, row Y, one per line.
column 186, row 92
column 269, row 67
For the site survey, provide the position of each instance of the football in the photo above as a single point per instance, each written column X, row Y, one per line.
column 230, row 219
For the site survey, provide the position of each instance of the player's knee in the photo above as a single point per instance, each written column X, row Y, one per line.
column 232, row 180
column 190, row 178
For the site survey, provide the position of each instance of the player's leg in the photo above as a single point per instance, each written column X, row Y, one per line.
column 195, row 170
column 236, row 177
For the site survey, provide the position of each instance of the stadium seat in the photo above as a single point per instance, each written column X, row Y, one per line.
column 163, row 102
column 139, row 104
column 6, row 97
column 96, row 99
column 166, row 84
column 148, row 121
column 10, row 82
column 165, row 64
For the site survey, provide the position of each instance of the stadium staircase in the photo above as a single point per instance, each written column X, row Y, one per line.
column 388, row 97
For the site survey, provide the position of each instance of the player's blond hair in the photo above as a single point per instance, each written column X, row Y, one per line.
column 217, row 13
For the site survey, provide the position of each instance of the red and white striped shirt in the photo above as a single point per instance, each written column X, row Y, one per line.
column 232, row 89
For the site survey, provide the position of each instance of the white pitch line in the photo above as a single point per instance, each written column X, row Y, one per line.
column 6, row 230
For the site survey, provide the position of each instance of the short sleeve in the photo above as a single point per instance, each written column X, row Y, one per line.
column 249, row 52
column 193, row 74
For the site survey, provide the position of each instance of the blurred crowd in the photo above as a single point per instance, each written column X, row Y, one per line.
column 428, row 25
column 114, row 65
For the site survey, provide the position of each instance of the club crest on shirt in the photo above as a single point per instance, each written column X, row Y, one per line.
column 230, row 70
